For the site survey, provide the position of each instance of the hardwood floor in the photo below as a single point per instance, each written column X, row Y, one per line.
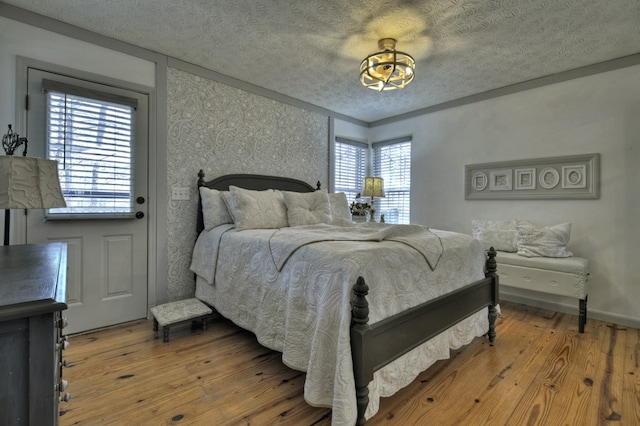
column 540, row 371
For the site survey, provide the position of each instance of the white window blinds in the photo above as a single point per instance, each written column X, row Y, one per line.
column 392, row 162
column 350, row 167
column 90, row 134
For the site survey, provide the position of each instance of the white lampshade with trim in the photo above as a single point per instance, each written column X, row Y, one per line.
column 372, row 187
column 29, row 183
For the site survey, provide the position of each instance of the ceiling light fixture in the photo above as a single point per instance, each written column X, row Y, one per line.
column 387, row 69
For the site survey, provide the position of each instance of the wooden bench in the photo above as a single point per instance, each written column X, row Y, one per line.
column 567, row 276
column 173, row 313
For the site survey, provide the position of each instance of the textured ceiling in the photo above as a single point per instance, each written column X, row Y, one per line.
column 311, row 49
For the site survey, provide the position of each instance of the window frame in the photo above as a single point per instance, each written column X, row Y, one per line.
column 114, row 102
column 351, row 190
column 370, row 169
column 397, row 187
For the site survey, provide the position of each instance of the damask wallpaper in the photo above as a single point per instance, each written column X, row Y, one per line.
column 225, row 130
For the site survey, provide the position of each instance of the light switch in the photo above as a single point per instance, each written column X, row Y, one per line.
column 180, row 194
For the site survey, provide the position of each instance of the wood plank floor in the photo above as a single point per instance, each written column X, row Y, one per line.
column 541, row 371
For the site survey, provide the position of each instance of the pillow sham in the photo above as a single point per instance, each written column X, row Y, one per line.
column 214, row 208
column 499, row 234
column 550, row 241
column 257, row 209
column 307, row 208
column 339, row 207
column 226, row 196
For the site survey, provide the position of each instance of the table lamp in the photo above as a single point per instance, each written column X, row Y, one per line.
column 26, row 182
column 372, row 187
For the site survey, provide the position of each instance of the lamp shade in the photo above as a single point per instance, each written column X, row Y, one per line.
column 372, row 187
column 29, row 183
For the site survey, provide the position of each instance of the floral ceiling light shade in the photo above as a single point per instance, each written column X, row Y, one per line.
column 387, row 69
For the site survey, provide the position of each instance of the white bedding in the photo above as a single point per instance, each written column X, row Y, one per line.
column 303, row 310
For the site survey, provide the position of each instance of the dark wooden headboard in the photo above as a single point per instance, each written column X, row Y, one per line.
column 247, row 181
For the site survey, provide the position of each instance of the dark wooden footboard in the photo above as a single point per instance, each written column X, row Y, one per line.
column 375, row 345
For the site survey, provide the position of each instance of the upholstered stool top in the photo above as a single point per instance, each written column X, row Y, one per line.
column 181, row 310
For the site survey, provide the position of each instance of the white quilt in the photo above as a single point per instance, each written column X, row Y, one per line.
column 303, row 310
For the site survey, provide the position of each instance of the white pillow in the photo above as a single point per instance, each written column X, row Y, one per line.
column 258, row 209
column 308, row 208
column 550, row 241
column 226, row 196
column 499, row 234
column 339, row 207
column 214, row 208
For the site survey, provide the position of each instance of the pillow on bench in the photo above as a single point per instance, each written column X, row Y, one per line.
column 522, row 237
column 499, row 234
column 549, row 241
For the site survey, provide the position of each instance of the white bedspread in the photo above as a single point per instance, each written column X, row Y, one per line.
column 303, row 310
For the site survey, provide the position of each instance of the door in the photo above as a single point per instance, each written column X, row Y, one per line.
column 99, row 136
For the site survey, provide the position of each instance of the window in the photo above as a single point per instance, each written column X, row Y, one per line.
column 350, row 167
column 392, row 162
column 90, row 134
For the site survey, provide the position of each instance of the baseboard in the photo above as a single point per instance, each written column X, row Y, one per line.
column 570, row 309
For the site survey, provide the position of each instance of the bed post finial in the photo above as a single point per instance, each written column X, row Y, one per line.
column 318, row 186
column 492, row 265
column 200, row 178
column 360, row 305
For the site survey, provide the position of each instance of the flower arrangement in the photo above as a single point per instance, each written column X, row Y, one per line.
column 359, row 209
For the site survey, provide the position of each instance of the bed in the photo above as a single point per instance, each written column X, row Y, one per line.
column 354, row 328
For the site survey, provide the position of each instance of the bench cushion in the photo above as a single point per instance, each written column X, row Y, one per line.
column 560, row 276
column 182, row 310
column 570, row 265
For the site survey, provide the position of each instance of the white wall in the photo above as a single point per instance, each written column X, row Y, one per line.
column 349, row 130
column 598, row 113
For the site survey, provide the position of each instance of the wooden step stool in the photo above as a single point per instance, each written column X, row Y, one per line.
column 173, row 313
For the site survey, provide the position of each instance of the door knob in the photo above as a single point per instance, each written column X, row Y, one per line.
column 139, row 215
column 140, row 200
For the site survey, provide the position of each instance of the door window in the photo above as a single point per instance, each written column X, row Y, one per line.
column 91, row 135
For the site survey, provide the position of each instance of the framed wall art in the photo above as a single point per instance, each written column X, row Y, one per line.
column 526, row 178
column 500, row 180
column 567, row 177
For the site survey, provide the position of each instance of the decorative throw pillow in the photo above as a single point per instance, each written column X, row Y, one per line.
column 308, row 208
column 226, row 196
column 258, row 209
column 214, row 208
column 339, row 207
column 550, row 241
column 499, row 234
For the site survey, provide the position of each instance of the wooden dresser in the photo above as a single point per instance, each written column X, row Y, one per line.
column 32, row 298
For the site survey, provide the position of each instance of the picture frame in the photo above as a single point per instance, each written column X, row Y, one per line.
column 549, row 178
column 525, row 179
column 479, row 181
column 563, row 177
column 500, row 180
column 574, row 177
